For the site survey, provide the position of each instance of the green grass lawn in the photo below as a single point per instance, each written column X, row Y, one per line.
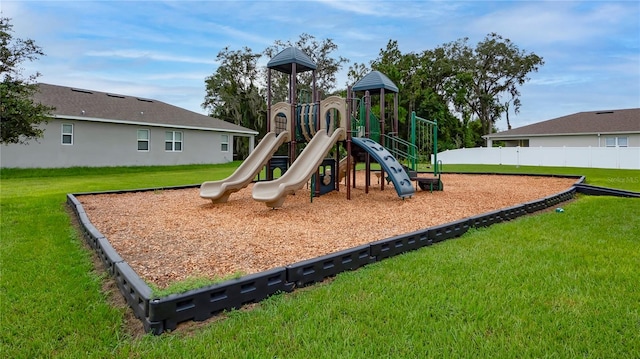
column 559, row 285
column 612, row 178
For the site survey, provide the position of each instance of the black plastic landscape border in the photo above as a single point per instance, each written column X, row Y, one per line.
column 164, row 314
column 604, row 191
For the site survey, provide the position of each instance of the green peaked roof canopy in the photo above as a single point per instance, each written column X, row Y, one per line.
column 285, row 59
column 375, row 80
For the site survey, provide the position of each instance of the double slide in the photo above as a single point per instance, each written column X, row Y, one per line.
column 219, row 191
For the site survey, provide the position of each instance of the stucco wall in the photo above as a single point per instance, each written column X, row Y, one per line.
column 575, row 141
column 106, row 144
column 568, row 141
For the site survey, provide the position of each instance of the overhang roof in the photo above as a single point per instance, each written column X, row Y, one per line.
column 285, row 59
column 603, row 122
column 90, row 105
column 375, row 80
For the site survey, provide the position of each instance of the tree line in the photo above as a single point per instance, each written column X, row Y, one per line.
column 465, row 88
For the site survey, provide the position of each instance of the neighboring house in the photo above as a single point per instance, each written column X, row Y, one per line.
column 599, row 139
column 611, row 128
column 92, row 128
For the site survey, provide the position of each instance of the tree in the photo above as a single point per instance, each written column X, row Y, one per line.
column 421, row 82
column 398, row 68
column 233, row 95
column 19, row 114
column 320, row 52
column 487, row 78
column 356, row 72
column 465, row 89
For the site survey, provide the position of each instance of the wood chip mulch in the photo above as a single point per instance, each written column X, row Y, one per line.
column 171, row 235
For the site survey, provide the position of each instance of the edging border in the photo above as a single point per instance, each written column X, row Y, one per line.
column 164, row 314
column 604, row 191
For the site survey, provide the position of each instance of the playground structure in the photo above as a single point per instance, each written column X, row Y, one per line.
column 325, row 125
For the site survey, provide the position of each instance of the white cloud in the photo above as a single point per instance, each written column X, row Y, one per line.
column 559, row 80
column 150, row 55
column 180, row 76
column 356, row 35
column 239, row 34
column 394, row 9
column 354, row 7
column 553, row 23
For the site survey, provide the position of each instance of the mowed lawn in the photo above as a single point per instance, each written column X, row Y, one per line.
column 561, row 285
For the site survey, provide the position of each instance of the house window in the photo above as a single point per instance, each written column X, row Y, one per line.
column 616, row 142
column 622, row 141
column 143, row 140
column 67, row 134
column 173, row 141
column 224, row 143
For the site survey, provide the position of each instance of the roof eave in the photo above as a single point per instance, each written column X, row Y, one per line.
column 496, row 135
column 142, row 123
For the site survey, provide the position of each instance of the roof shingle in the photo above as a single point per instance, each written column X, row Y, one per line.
column 108, row 107
column 608, row 121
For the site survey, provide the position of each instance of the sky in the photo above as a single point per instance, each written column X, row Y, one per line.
column 164, row 50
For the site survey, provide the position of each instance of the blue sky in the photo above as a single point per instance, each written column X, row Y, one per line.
column 164, row 49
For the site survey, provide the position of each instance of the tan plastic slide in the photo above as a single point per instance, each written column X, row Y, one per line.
column 219, row 191
column 273, row 193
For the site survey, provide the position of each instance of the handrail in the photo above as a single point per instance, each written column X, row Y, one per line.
column 415, row 118
column 406, row 150
column 374, row 123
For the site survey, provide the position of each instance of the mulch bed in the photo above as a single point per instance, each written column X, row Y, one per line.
column 171, row 235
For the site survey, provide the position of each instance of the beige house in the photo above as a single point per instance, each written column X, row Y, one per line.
column 92, row 128
column 610, row 128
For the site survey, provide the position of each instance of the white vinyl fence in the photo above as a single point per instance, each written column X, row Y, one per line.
column 597, row 157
